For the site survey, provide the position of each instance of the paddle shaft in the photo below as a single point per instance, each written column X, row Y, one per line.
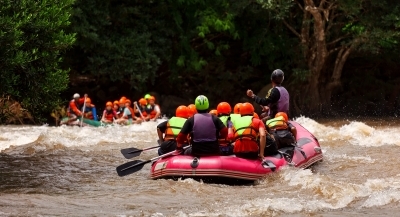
column 137, row 107
column 146, row 149
column 83, row 110
column 153, row 159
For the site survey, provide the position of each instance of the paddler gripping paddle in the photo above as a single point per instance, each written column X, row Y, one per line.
column 136, row 165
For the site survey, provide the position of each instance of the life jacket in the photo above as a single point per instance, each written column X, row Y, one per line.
column 283, row 103
column 149, row 108
column 132, row 112
column 87, row 113
column 153, row 111
column 71, row 104
column 223, row 141
column 174, row 126
column 204, row 129
column 243, row 128
column 235, row 116
column 109, row 115
column 128, row 116
column 277, row 123
column 120, row 112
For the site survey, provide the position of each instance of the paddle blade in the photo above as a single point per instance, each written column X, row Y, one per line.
column 131, row 167
column 131, row 152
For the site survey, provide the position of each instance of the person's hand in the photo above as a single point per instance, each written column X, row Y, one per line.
column 179, row 150
column 135, row 103
column 265, row 108
column 261, row 156
column 250, row 93
column 79, row 114
column 230, row 124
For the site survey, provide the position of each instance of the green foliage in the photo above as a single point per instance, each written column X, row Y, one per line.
column 32, row 38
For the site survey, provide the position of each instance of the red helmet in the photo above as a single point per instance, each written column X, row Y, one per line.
column 109, row 104
column 142, row 101
column 214, row 112
column 246, row 109
column 128, row 101
column 282, row 114
column 236, row 109
column 192, row 109
column 182, row 112
column 88, row 100
column 224, row 108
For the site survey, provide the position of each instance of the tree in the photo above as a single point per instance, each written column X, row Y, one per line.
column 32, row 39
column 329, row 31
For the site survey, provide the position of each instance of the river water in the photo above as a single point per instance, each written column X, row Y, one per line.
column 70, row 171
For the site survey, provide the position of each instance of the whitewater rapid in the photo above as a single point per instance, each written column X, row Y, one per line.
column 71, row 171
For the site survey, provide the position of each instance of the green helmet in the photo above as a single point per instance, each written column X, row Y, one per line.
column 147, row 96
column 201, row 103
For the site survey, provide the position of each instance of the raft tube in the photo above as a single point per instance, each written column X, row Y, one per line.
column 93, row 123
column 232, row 167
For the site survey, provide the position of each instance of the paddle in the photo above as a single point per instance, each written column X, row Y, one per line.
column 136, row 165
column 134, row 152
column 137, row 107
column 83, row 110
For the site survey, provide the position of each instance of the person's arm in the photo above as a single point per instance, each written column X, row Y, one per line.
column 161, row 128
column 223, row 131
column 160, row 135
column 182, row 136
column 74, row 108
column 103, row 118
column 158, row 112
column 263, row 137
column 293, row 130
column 272, row 98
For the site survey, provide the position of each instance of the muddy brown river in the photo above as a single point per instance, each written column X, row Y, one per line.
column 70, row 171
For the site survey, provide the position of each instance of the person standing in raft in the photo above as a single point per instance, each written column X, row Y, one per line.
column 204, row 130
column 109, row 115
column 171, row 129
column 283, row 131
column 277, row 99
column 245, row 132
column 88, row 113
column 224, row 114
column 153, row 109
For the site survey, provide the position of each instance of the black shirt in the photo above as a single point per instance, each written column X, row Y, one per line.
column 273, row 96
column 163, row 126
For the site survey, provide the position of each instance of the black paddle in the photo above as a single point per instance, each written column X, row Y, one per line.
column 134, row 152
column 136, row 165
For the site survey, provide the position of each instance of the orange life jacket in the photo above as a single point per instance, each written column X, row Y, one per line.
column 245, row 135
column 109, row 115
column 153, row 111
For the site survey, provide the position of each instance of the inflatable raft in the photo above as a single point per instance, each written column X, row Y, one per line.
column 306, row 154
column 86, row 122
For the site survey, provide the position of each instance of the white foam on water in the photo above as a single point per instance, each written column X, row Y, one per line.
column 68, row 136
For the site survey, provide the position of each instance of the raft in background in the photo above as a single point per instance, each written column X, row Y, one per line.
column 85, row 121
column 306, row 154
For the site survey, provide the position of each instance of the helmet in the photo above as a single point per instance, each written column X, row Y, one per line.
column 277, row 76
column 182, row 112
column 246, row 109
column 236, row 109
column 282, row 114
column 116, row 102
column 147, row 96
column 122, row 101
column 152, row 98
column 76, row 95
column 142, row 101
column 214, row 112
column 109, row 104
column 124, row 98
column 224, row 108
column 128, row 101
column 201, row 102
column 255, row 115
column 192, row 110
column 88, row 100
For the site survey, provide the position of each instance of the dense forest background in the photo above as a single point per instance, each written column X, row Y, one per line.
column 340, row 57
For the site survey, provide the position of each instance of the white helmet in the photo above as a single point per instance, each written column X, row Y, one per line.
column 76, row 95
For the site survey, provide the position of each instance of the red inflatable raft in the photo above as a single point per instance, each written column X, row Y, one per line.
column 183, row 166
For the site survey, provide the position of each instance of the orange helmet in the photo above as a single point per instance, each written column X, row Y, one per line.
column 109, row 104
column 224, row 108
column 124, row 98
column 255, row 115
column 128, row 101
column 236, row 109
column 152, row 98
column 142, row 101
column 88, row 100
column 192, row 109
column 182, row 112
column 282, row 114
column 246, row 109
column 122, row 101
column 116, row 102
column 214, row 112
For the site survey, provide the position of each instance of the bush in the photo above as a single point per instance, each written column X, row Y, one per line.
column 32, row 40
